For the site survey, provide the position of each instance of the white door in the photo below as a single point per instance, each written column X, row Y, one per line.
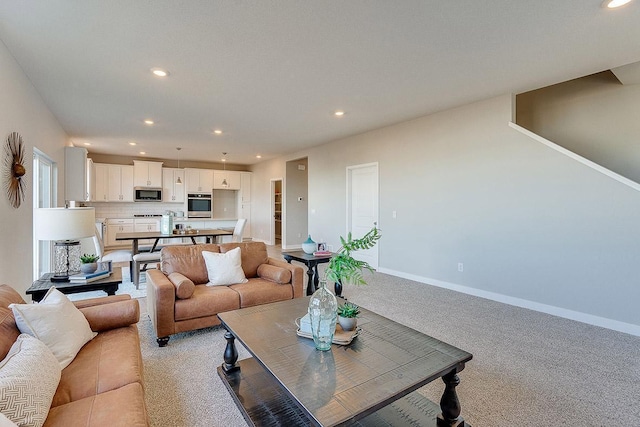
column 362, row 206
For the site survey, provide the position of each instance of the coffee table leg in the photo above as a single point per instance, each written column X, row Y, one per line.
column 449, row 404
column 230, row 354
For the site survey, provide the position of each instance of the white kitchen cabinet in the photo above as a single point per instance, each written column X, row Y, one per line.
column 101, row 187
column 115, row 226
column 146, row 224
column 147, row 174
column 171, row 191
column 244, row 211
column 245, row 187
column 230, row 178
column 120, row 184
column 75, row 173
column 199, row 180
column 91, row 181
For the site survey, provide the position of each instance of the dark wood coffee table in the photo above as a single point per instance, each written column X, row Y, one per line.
column 109, row 284
column 372, row 381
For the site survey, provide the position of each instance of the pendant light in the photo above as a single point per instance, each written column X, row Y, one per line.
column 224, row 168
column 178, row 181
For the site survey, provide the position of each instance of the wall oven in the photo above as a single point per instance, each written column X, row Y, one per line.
column 199, row 205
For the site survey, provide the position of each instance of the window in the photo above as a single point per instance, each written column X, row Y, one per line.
column 45, row 178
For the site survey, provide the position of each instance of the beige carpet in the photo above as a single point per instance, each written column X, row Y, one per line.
column 529, row 368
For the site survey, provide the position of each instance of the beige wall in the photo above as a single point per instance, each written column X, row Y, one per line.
column 23, row 111
column 531, row 226
column 594, row 116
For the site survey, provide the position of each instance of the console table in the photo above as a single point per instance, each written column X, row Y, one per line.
column 109, row 285
column 311, row 261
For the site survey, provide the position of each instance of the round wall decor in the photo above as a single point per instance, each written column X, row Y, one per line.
column 14, row 169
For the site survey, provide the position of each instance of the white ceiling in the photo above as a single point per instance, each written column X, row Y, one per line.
column 271, row 73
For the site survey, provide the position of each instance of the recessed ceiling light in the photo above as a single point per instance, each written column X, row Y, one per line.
column 159, row 72
column 148, row 122
column 143, row 152
column 87, row 143
column 217, row 132
column 339, row 113
column 258, row 156
column 224, row 160
column 132, row 143
column 612, row 4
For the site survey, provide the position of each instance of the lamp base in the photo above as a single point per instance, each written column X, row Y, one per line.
column 59, row 279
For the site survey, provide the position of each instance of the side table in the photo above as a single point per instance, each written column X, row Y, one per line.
column 311, row 261
column 109, row 284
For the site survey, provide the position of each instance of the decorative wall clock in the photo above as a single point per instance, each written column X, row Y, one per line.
column 14, row 169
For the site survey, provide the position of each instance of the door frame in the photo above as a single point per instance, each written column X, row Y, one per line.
column 272, row 223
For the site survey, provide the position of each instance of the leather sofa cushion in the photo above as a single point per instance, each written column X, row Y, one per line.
column 184, row 285
column 8, row 330
column 275, row 274
column 260, row 291
column 253, row 254
column 206, row 301
column 120, row 407
column 110, row 361
column 186, row 259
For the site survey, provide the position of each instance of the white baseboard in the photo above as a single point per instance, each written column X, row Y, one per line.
column 590, row 319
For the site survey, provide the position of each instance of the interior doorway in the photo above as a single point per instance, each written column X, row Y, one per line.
column 362, row 206
column 277, row 211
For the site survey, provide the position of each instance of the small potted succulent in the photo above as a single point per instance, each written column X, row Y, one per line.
column 348, row 316
column 89, row 263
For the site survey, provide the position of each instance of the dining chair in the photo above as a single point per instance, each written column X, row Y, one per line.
column 238, row 230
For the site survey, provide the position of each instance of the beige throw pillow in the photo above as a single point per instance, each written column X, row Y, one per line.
column 29, row 377
column 224, row 269
column 56, row 322
column 184, row 286
column 274, row 273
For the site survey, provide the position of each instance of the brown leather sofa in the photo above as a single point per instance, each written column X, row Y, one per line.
column 103, row 384
column 177, row 305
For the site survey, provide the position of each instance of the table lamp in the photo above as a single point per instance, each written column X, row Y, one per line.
column 65, row 227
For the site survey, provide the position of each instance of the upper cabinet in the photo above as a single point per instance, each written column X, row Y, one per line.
column 120, row 183
column 147, row 174
column 101, row 184
column 245, row 187
column 172, row 191
column 75, row 174
column 199, row 180
column 226, row 180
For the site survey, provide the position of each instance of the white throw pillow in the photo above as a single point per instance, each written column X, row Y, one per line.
column 56, row 322
column 224, row 269
column 29, row 377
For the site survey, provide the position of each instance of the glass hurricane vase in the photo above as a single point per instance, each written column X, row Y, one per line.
column 323, row 313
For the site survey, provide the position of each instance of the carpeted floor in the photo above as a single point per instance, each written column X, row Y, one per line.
column 529, row 368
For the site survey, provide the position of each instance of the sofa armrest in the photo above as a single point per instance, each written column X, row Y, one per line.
column 101, row 300
column 161, row 301
column 297, row 275
column 118, row 314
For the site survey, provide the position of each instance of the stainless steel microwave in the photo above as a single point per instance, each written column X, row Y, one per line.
column 147, row 194
column 199, row 205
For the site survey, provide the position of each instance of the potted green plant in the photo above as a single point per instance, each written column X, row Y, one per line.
column 343, row 268
column 89, row 263
column 348, row 316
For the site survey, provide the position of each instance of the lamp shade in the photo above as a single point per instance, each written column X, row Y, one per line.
column 64, row 223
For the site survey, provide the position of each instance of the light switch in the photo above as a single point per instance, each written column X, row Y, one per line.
column 393, row 214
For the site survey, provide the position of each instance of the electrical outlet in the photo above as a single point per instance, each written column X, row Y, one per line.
column 460, row 267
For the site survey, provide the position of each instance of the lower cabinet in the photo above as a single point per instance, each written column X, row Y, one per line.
column 115, row 226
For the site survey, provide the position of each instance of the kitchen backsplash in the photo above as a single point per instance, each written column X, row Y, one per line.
column 126, row 210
